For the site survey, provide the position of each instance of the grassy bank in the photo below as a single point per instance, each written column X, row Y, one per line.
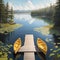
column 44, row 30
column 6, row 27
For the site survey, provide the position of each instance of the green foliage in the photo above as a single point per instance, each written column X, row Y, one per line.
column 5, row 13
column 2, row 10
column 11, row 13
column 44, row 12
column 57, row 14
column 4, row 50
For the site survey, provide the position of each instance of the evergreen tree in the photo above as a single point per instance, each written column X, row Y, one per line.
column 12, row 13
column 57, row 14
column 11, row 16
column 2, row 10
column 7, row 12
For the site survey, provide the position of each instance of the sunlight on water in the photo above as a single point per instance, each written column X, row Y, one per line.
column 26, row 17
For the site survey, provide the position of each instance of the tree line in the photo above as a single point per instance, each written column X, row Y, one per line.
column 44, row 12
column 6, row 14
column 57, row 14
column 52, row 12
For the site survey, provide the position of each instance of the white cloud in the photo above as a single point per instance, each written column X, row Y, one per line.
column 30, row 6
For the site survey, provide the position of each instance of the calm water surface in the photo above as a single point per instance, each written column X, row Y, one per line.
column 29, row 24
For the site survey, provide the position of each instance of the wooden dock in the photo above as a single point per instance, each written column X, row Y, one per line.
column 29, row 56
column 28, row 48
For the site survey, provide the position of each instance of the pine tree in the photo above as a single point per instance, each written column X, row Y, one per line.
column 12, row 13
column 7, row 12
column 11, row 16
column 57, row 14
column 2, row 10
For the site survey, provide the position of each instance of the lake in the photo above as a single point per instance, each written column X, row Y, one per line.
column 29, row 24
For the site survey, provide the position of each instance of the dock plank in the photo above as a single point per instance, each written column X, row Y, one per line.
column 29, row 56
column 28, row 48
column 28, row 45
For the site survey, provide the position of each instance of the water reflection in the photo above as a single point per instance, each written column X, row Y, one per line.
column 18, row 56
column 3, row 37
column 41, row 56
column 29, row 24
column 26, row 17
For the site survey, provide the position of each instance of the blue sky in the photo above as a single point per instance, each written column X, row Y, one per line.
column 29, row 4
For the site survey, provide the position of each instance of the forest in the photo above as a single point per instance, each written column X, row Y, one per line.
column 6, row 13
column 7, row 23
column 52, row 12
